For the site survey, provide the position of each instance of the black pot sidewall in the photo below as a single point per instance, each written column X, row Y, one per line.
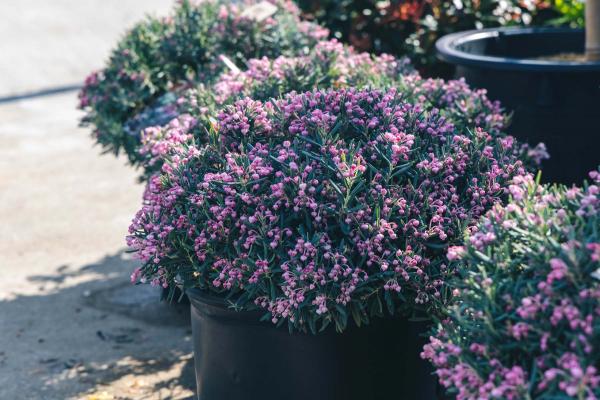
column 238, row 357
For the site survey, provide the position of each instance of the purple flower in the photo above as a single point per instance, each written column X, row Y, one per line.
column 523, row 322
column 320, row 202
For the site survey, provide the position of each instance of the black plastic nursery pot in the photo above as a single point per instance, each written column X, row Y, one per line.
column 238, row 357
column 554, row 100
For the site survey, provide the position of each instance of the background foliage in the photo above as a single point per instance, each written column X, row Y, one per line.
column 411, row 27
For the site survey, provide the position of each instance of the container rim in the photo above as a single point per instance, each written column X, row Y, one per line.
column 206, row 297
column 218, row 307
column 447, row 51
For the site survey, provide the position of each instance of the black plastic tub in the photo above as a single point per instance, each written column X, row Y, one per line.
column 555, row 102
column 238, row 357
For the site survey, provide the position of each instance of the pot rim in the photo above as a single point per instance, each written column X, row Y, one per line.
column 207, row 297
column 218, row 307
column 447, row 51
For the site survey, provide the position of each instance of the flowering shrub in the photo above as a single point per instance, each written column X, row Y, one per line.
column 321, row 206
column 329, row 64
column 157, row 55
column 526, row 317
column 412, row 27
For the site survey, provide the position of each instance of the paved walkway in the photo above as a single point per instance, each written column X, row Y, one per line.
column 58, row 42
column 71, row 325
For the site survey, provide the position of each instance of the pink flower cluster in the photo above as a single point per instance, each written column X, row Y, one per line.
column 322, row 206
column 459, row 102
column 525, row 319
column 329, row 64
column 157, row 142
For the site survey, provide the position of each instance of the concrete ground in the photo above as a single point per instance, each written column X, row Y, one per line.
column 71, row 326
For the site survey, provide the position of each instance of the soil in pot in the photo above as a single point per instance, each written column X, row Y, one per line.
column 572, row 57
column 238, row 357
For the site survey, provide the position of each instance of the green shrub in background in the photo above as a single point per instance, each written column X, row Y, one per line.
column 572, row 12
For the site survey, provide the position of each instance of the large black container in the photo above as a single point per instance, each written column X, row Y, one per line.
column 555, row 102
column 238, row 357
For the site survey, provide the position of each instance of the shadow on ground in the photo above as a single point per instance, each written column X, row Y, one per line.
column 90, row 334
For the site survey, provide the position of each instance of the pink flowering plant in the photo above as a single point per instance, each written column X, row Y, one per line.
column 321, row 207
column 158, row 55
column 525, row 318
column 329, row 65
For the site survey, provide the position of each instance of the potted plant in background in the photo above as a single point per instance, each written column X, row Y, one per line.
column 525, row 319
column 549, row 77
column 158, row 55
column 321, row 212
